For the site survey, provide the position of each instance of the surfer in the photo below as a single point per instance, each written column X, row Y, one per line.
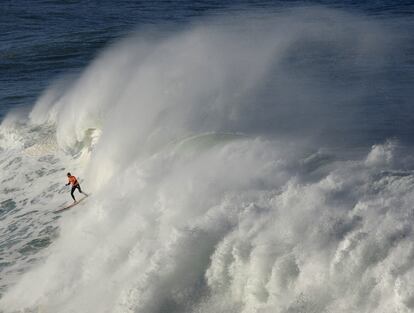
column 75, row 185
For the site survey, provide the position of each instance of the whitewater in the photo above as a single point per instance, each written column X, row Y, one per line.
column 232, row 166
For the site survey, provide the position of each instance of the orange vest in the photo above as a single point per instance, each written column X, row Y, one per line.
column 73, row 180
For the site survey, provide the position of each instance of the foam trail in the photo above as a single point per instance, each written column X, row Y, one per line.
column 207, row 195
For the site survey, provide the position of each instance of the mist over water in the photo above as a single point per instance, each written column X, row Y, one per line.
column 253, row 163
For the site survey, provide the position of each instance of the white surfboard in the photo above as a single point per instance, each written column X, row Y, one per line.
column 71, row 205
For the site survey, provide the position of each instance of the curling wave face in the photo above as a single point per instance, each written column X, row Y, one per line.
column 216, row 188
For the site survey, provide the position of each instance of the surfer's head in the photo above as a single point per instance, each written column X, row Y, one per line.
column 68, row 174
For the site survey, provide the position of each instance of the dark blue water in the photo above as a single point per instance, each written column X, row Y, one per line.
column 43, row 40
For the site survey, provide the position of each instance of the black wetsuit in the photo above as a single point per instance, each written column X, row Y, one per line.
column 73, row 190
column 75, row 185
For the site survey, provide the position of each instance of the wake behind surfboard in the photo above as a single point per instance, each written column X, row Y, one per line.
column 71, row 205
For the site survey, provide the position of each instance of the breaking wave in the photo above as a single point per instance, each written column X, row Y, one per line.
column 231, row 170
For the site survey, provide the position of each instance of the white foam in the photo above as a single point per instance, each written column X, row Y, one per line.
column 187, row 215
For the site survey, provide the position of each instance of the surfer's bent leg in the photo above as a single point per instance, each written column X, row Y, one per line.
column 72, row 191
column 79, row 188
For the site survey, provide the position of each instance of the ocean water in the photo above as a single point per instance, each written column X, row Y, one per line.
column 241, row 156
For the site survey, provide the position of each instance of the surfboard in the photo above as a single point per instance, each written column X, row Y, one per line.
column 71, row 205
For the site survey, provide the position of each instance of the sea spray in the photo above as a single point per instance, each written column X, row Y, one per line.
column 227, row 171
